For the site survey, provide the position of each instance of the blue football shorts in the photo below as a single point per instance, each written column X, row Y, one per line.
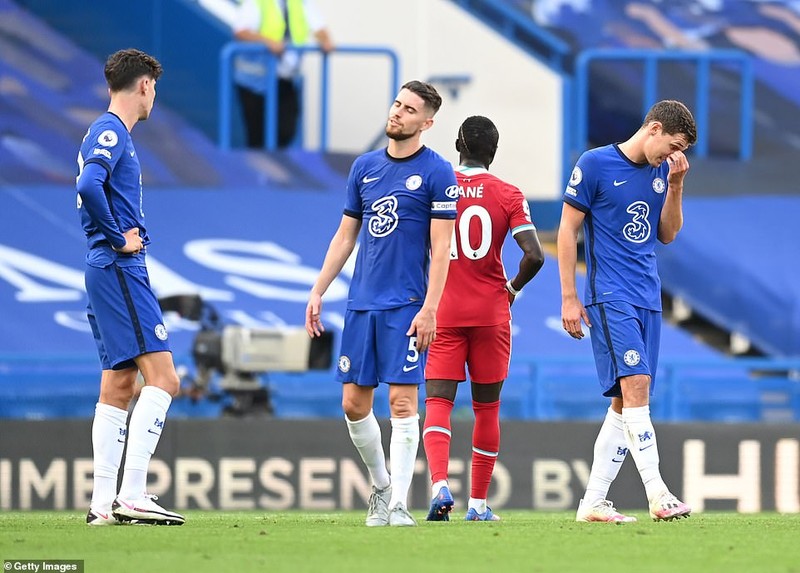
column 124, row 314
column 376, row 350
column 625, row 341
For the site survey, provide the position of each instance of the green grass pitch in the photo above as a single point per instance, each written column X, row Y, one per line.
column 240, row 542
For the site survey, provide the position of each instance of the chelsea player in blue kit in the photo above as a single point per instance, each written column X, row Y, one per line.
column 123, row 310
column 400, row 208
column 625, row 196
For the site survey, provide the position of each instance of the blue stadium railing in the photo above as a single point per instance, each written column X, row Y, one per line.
column 651, row 61
column 538, row 388
column 519, row 28
column 718, row 390
column 226, row 82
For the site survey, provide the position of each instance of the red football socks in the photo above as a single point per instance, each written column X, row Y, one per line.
column 485, row 446
column 436, row 436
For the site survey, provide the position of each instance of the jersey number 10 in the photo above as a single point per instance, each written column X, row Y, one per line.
column 472, row 252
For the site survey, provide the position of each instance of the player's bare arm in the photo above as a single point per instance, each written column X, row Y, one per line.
column 671, row 220
column 572, row 310
column 531, row 262
column 424, row 324
column 340, row 248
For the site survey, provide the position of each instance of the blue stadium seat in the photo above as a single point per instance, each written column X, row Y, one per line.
column 723, row 396
column 568, row 392
column 48, row 394
column 307, row 395
column 780, row 398
column 183, row 407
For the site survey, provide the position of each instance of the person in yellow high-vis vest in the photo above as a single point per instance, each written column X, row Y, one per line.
column 277, row 24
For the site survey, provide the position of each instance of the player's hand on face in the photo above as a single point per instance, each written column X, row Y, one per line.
column 424, row 327
column 314, row 325
column 678, row 166
column 572, row 313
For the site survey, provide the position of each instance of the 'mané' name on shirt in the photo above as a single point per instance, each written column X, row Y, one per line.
column 465, row 191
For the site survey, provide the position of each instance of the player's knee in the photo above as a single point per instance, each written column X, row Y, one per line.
column 638, row 384
column 117, row 387
column 486, row 393
column 173, row 385
column 355, row 410
column 441, row 389
column 169, row 383
column 126, row 393
column 635, row 390
column 117, row 396
column 402, row 406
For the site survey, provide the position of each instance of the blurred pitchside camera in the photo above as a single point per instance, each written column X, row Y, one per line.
column 243, row 356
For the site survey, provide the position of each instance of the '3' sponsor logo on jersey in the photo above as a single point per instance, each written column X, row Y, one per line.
column 638, row 229
column 385, row 219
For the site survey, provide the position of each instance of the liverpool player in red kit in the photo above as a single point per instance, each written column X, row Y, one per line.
column 473, row 320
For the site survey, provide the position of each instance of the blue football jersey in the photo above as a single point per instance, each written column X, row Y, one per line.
column 396, row 200
column 622, row 201
column 108, row 143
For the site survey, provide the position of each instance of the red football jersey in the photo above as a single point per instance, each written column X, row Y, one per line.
column 488, row 208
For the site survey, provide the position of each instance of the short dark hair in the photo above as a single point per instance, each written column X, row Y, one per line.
column 675, row 118
column 427, row 92
column 477, row 139
column 124, row 67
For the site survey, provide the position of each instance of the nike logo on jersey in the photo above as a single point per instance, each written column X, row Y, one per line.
column 618, row 183
column 133, row 153
column 408, row 368
column 369, row 179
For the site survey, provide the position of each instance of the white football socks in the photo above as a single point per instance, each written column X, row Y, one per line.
column 144, row 431
column 437, row 486
column 643, row 447
column 109, row 430
column 478, row 505
column 366, row 437
column 610, row 449
column 403, row 456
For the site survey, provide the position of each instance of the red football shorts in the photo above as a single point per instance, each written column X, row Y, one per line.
column 484, row 350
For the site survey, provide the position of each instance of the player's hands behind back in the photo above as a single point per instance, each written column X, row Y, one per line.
column 133, row 242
